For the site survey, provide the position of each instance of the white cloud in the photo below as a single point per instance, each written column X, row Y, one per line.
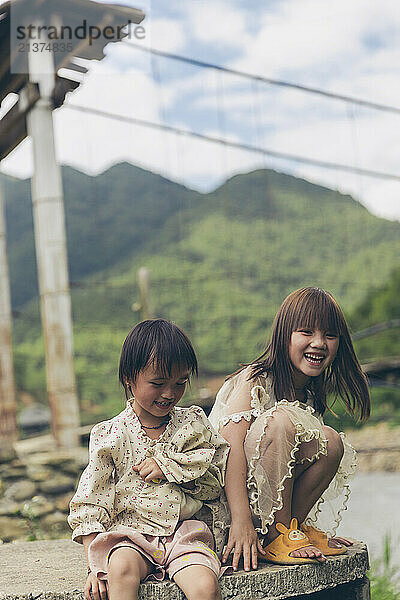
column 217, row 22
column 168, row 35
column 305, row 35
column 19, row 163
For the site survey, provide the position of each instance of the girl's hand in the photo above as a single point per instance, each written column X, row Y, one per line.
column 148, row 469
column 243, row 539
column 95, row 588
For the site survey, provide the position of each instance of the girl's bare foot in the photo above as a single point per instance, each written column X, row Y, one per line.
column 338, row 542
column 312, row 552
column 306, row 552
column 309, row 552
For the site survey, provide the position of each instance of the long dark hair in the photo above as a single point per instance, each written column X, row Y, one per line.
column 158, row 342
column 310, row 308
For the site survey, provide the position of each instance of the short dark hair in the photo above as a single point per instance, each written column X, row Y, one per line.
column 158, row 342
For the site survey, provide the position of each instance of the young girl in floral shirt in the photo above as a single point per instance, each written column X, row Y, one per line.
column 151, row 469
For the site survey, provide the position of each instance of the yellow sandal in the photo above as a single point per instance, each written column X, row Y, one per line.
column 289, row 540
column 320, row 540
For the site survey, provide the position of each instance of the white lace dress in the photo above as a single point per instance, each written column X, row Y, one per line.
column 254, row 401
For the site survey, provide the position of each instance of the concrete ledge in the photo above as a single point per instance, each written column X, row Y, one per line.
column 56, row 570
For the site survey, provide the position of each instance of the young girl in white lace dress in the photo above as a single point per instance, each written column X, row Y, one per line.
column 287, row 473
column 151, row 468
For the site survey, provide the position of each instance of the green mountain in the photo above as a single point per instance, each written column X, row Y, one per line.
column 107, row 218
column 220, row 263
column 381, row 305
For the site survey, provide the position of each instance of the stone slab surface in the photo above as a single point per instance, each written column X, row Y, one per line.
column 56, row 570
column 359, row 589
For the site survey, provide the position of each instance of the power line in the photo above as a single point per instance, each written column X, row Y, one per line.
column 237, row 145
column 268, row 80
column 379, row 449
column 358, row 335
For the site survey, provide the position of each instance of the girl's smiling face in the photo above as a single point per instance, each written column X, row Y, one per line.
column 311, row 351
column 155, row 393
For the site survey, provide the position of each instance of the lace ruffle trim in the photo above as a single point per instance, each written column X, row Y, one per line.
column 245, row 414
column 255, row 402
column 342, row 477
column 255, row 411
column 301, row 435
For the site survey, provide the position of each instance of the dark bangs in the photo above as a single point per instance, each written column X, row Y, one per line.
column 157, row 342
column 313, row 308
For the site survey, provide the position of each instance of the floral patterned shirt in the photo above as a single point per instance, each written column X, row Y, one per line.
column 110, row 493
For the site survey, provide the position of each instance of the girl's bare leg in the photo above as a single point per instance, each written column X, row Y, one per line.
column 127, row 568
column 313, row 479
column 280, row 426
column 198, row 582
column 309, row 482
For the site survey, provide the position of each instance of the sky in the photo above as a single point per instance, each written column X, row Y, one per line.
column 349, row 48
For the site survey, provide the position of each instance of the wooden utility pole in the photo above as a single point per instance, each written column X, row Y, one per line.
column 144, row 304
column 8, row 423
column 51, row 256
column 41, row 89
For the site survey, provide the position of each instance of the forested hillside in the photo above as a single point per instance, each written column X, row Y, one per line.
column 220, row 263
column 108, row 217
column 379, row 306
